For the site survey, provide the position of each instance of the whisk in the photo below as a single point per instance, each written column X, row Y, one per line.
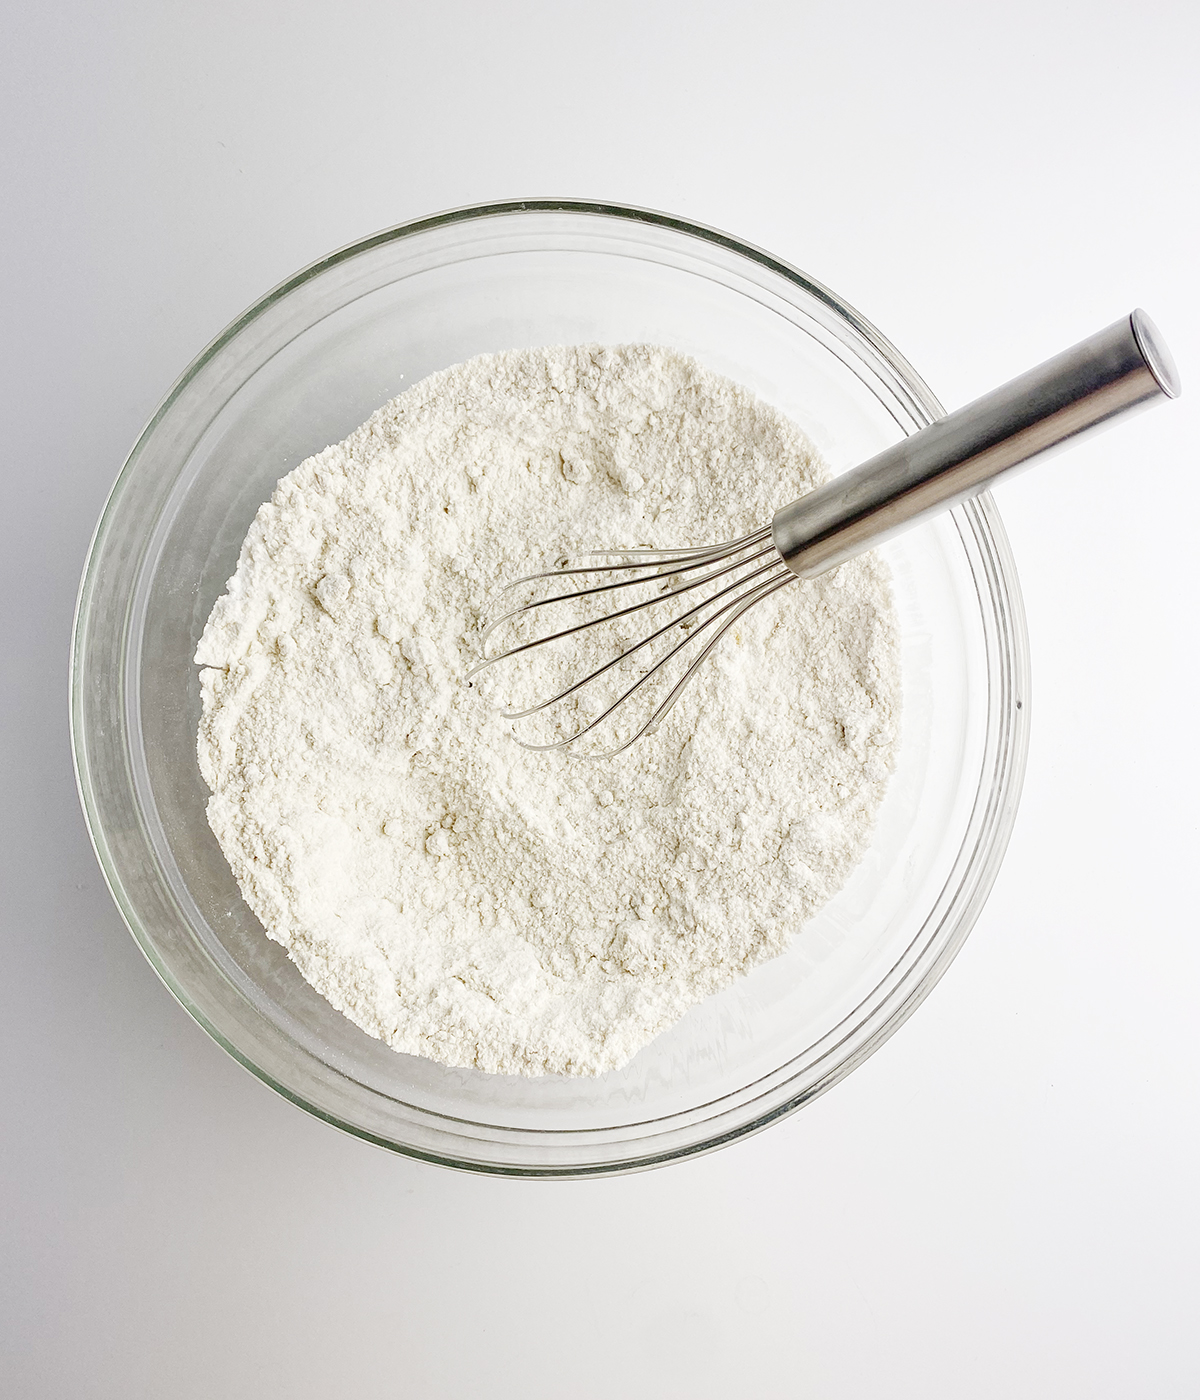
column 709, row 587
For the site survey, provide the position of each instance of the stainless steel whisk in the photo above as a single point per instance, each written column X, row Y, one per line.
column 1124, row 367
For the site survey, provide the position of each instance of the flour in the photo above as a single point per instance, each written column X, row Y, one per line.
column 452, row 893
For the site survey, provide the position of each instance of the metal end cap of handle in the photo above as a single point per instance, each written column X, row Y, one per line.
column 1159, row 359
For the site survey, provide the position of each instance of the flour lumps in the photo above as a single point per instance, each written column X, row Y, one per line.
column 453, row 894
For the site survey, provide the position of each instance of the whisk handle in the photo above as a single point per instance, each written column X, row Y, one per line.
column 1123, row 367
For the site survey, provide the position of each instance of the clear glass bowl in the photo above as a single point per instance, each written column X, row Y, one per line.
column 301, row 369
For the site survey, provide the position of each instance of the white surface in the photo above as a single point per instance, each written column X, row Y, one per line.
column 1001, row 1201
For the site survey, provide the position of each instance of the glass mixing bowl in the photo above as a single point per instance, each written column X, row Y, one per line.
column 301, row 369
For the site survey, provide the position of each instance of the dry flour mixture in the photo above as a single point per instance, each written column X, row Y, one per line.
column 453, row 894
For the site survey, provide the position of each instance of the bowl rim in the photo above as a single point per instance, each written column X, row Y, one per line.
column 979, row 514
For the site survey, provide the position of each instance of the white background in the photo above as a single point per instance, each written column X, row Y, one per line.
column 1002, row 1202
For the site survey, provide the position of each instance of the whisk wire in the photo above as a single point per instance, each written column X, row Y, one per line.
column 637, row 646
column 751, row 563
column 735, row 609
column 575, row 594
column 660, row 576
column 687, row 551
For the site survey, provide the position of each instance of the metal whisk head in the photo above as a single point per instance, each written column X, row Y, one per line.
column 628, row 623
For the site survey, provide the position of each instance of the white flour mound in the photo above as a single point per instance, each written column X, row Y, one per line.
column 452, row 893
